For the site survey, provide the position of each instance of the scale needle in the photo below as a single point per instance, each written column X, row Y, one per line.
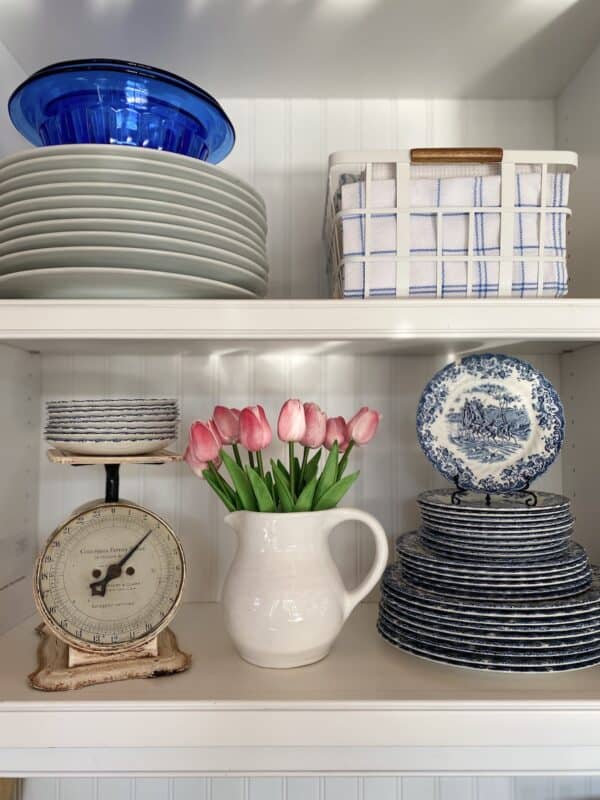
column 114, row 570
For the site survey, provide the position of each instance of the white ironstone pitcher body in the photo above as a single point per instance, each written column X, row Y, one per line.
column 284, row 599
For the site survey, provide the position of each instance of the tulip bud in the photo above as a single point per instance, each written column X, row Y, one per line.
column 335, row 431
column 363, row 425
column 203, row 447
column 292, row 423
column 227, row 423
column 255, row 431
column 197, row 466
column 316, row 422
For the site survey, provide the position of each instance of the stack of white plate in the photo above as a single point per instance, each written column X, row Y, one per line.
column 117, row 426
column 105, row 221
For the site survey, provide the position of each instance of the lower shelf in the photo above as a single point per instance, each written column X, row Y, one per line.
column 366, row 708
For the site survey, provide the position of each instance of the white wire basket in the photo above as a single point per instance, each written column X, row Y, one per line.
column 455, row 222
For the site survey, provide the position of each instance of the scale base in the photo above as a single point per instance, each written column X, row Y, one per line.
column 55, row 675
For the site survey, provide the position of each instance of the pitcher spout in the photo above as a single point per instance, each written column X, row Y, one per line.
column 234, row 520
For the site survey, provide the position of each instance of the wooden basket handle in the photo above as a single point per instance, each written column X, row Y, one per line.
column 456, row 155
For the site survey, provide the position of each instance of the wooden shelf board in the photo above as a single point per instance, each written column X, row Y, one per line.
column 367, row 706
column 159, row 457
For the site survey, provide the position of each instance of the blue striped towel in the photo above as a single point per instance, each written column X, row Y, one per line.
column 446, row 193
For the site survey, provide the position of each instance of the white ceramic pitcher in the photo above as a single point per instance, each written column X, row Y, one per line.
column 284, row 599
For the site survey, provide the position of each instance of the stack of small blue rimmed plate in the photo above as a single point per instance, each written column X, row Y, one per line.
column 492, row 579
column 110, row 427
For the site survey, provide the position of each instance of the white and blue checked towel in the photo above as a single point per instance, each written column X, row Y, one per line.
column 478, row 191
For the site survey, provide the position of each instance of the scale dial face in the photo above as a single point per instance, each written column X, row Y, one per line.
column 110, row 578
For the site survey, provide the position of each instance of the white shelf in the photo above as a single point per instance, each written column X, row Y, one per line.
column 328, row 326
column 367, row 707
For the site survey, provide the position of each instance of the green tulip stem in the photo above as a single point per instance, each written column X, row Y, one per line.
column 261, row 469
column 221, row 480
column 251, row 458
column 292, row 471
column 303, row 468
column 236, row 453
column 344, row 462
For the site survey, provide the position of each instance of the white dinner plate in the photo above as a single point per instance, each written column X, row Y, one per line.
column 40, row 209
column 138, row 448
column 50, row 164
column 107, row 238
column 135, row 192
column 153, row 180
column 194, row 235
column 73, row 155
column 105, row 283
column 133, row 258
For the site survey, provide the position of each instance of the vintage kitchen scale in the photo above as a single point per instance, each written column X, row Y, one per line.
column 107, row 584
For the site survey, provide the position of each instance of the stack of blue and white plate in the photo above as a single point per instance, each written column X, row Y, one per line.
column 500, row 586
column 110, row 427
column 492, row 579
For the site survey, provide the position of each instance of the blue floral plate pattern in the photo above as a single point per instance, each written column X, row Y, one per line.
column 491, row 422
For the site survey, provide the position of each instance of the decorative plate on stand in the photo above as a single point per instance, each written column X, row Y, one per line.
column 491, row 423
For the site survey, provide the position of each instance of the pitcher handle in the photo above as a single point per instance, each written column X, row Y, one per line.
column 351, row 599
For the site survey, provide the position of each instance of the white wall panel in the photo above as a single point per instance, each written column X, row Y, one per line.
column 347, row 788
column 578, row 128
column 19, row 435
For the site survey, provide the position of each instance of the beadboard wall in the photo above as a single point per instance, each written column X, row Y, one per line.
column 346, row 788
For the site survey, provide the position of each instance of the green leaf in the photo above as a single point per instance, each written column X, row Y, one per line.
column 269, row 482
column 335, row 493
column 284, row 470
column 312, row 467
column 241, row 482
column 329, row 474
column 305, row 501
column 216, row 487
column 261, row 491
column 285, row 496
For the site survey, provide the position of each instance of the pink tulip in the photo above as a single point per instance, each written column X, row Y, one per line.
column 197, row 466
column 203, row 446
column 363, row 425
column 255, row 431
column 227, row 423
column 335, row 431
column 316, row 422
column 291, row 425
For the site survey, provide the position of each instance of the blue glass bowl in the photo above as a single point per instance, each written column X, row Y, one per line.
column 101, row 101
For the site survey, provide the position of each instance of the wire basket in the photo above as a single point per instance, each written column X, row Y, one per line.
column 479, row 222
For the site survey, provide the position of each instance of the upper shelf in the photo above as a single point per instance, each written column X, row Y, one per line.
column 447, row 327
column 366, row 707
column 324, row 48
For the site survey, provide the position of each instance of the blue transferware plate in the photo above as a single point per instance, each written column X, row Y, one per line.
column 495, row 524
column 498, row 534
column 586, row 602
column 475, row 503
column 410, row 544
column 491, row 422
column 569, row 628
column 491, row 644
column 488, row 664
column 517, row 595
column 493, row 581
column 106, row 101
column 462, row 649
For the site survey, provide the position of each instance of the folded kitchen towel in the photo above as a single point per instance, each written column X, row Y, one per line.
column 445, row 193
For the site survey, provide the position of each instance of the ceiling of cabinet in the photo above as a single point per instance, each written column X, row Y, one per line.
column 321, row 48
